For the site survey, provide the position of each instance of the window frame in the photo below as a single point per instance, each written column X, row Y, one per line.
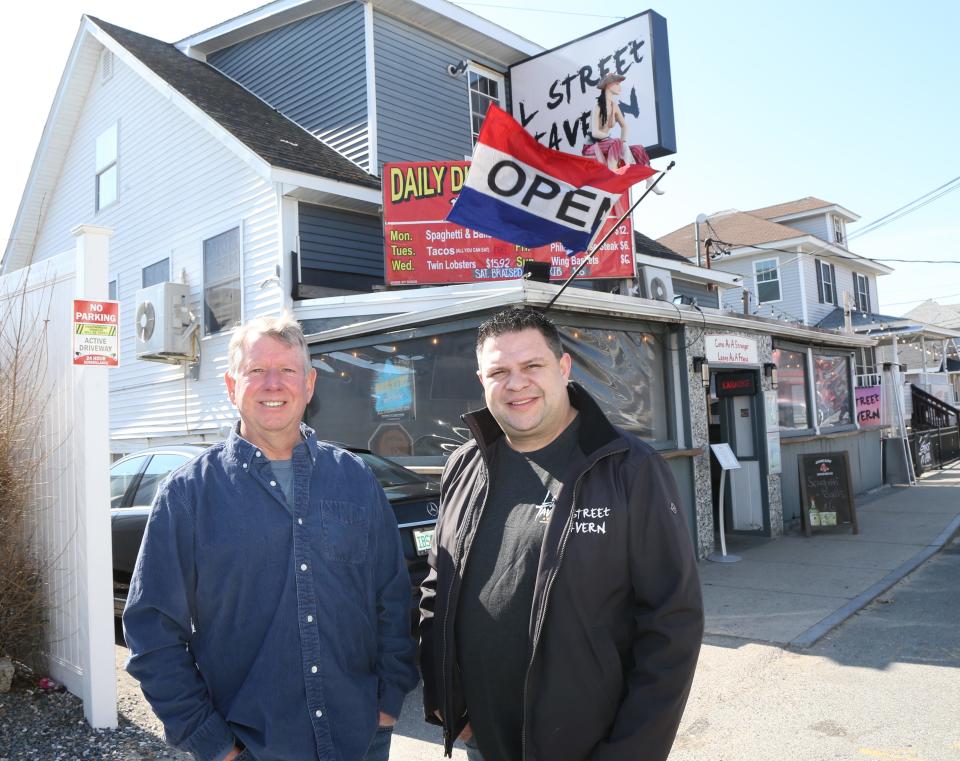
column 826, row 268
column 483, row 71
column 204, row 285
column 839, row 231
column 777, row 280
column 857, row 278
column 807, row 382
column 850, row 356
column 101, row 169
column 143, row 270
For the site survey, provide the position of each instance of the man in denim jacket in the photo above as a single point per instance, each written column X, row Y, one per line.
column 268, row 616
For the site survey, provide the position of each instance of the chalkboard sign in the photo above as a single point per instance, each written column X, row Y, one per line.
column 922, row 452
column 826, row 494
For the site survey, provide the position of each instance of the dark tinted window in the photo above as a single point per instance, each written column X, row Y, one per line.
column 153, row 476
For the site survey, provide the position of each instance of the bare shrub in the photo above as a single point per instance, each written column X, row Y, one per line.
column 23, row 362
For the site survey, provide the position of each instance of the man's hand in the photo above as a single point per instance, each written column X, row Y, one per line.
column 467, row 732
column 386, row 720
column 232, row 754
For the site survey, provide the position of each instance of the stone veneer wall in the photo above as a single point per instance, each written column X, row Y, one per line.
column 700, row 437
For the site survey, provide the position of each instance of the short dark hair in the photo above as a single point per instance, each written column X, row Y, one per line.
column 515, row 319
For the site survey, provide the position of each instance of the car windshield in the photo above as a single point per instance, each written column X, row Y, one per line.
column 390, row 473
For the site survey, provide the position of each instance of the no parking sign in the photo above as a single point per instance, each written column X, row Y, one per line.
column 96, row 333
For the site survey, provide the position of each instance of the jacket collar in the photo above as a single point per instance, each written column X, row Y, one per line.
column 596, row 432
column 245, row 453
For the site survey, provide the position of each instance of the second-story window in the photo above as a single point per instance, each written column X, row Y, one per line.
column 861, row 288
column 221, row 282
column 826, row 282
column 158, row 272
column 838, row 237
column 106, row 167
column 768, row 280
column 485, row 87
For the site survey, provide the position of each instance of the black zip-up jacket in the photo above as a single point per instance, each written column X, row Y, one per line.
column 617, row 615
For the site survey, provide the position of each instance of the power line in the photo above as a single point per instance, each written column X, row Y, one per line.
column 916, row 203
column 817, row 252
column 926, row 298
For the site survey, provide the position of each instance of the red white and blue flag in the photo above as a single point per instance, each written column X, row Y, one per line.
column 530, row 195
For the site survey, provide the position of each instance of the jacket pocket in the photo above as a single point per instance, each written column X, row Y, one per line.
column 344, row 536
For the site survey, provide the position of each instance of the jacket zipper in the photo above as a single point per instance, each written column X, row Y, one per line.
column 458, row 559
column 546, row 600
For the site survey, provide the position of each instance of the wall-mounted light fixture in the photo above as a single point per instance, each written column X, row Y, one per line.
column 456, row 69
column 770, row 370
column 701, row 366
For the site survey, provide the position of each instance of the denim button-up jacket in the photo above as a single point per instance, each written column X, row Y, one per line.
column 284, row 626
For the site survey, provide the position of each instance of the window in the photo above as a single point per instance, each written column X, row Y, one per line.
column 861, row 289
column 159, row 467
column 838, row 237
column 404, row 398
column 486, row 87
column 826, row 282
column 121, row 476
column 221, row 282
column 112, row 289
column 767, row 275
column 791, row 389
column 106, row 160
column 867, row 374
column 831, row 385
column 158, row 272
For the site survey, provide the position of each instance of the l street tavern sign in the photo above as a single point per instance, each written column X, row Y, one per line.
column 553, row 93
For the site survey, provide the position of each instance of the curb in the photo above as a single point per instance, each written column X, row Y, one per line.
column 814, row 633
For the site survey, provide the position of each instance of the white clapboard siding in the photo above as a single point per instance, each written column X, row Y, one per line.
column 178, row 185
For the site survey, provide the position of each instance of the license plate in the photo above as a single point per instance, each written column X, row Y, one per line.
column 422, row 539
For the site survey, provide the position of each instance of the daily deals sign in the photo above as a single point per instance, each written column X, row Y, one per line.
column 96, row 334
column 423, row 249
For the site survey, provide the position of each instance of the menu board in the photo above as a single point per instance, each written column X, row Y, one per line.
column 826, row 492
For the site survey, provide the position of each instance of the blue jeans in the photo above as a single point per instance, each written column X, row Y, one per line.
column 379, row 749
column 473, row 752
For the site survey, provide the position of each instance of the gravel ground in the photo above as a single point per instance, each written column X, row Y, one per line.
column 37, row 725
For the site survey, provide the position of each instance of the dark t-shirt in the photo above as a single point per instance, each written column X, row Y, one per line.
column 493, row 618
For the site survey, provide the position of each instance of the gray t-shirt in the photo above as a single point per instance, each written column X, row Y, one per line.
column 493, row 617
column 283, row 472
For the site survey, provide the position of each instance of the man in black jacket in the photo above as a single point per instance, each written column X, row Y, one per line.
column 562, row 617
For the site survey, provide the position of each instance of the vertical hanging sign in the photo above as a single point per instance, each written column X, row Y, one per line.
column 96, row 332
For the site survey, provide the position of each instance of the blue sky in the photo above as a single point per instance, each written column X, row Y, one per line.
column 854, row 102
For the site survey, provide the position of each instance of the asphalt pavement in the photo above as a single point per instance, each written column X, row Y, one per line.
column 792, row 590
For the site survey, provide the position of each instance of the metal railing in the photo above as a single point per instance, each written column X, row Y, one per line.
column 934, row 447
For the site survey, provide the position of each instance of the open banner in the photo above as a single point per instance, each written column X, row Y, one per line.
column 424, row 249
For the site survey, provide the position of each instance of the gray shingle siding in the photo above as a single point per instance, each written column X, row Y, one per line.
column 818, row 226
column 340, row 249
column 311, row 71
column 423, row 114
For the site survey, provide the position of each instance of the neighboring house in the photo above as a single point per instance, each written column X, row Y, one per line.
column 795, row 263
column 244, row 162
column 940, row 315
column 690, row 283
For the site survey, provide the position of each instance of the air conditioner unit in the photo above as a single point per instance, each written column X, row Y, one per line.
column 657, row 283
column 163, row 324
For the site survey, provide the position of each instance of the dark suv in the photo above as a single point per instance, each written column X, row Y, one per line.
column 134, row 481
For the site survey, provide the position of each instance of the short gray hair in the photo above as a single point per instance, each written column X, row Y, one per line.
column 283, row 328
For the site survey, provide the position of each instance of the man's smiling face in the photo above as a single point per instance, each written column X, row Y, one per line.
column 525, row 387
column 271, row 390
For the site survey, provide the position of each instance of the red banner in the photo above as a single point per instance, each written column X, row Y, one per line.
column 423, row 249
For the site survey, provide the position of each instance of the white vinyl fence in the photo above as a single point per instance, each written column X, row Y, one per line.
column 71, row 498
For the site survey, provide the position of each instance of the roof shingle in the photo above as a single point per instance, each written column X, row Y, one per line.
column 273, row 137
